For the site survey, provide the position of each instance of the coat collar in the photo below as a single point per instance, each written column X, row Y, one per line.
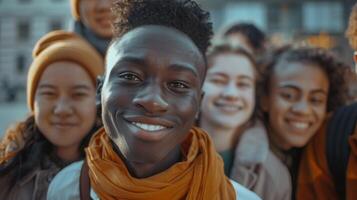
column 253, row 146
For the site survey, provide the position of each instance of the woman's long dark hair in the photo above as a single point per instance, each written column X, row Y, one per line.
column 35, row 149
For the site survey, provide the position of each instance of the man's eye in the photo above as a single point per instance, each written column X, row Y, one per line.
column 129, row 76
column 178, row 85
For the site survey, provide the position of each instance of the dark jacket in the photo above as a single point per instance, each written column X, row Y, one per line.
column 31, row 187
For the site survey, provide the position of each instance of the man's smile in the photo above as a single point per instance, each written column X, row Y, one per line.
column 148, row 128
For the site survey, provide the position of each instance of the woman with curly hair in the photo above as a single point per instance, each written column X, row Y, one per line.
column 329, row 163
column 229, row 114
column 300, row 87
column 61, row 98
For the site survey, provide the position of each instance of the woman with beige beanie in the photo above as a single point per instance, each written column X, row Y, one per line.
column 61, row 100
column 92, row 21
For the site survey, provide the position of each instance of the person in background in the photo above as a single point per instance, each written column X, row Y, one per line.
column 329, row 163
column 351, row 34
column 61, row 100
column 248, row 37
column 92, row 21
column 229, row 114
column 299, row 87
column 150, row 95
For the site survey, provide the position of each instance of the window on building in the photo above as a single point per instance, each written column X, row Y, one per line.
column 55, row 25
column 284, row 17
column 254, row 12
column 323, row 16
column 23, row 30
column 20, row 64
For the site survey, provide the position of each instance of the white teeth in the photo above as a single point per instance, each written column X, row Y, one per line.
column 149, row 127
column 231, row 108
column 300, row 125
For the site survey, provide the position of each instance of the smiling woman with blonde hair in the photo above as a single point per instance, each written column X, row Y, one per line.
column 229, row 113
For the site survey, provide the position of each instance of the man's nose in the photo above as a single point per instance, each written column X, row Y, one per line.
column 151, row 100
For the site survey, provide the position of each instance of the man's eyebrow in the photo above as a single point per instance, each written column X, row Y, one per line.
column 133, row 59
column 129, row 59
column 140, row 61
column 184, row 67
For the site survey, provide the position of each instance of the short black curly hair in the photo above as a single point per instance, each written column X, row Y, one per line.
column 183, row 15
column 336, row 71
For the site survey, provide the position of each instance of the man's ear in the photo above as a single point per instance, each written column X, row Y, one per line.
column 98, row 96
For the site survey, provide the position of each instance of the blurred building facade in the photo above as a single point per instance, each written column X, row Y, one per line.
column 22, row 23
column 317, row 22
column 320, row 22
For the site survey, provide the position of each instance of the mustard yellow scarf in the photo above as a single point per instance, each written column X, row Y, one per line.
column 199, row 176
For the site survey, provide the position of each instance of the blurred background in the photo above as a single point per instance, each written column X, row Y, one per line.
column 22, row 22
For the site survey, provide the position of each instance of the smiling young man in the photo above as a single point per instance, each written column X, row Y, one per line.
column 150, row 95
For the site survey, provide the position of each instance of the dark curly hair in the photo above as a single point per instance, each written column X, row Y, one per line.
column 183, row 15
column 336, row 71
column 255, row 37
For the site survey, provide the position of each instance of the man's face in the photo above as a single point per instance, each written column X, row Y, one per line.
column 151, row 92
